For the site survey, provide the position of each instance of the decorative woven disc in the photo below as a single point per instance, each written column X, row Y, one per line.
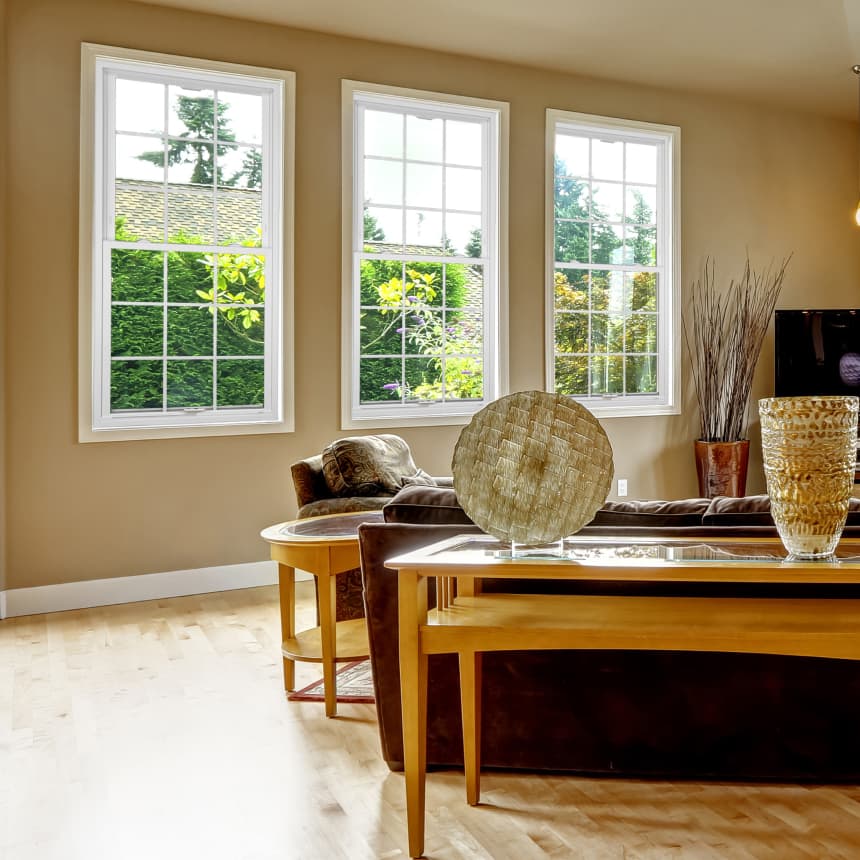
column 532, row 467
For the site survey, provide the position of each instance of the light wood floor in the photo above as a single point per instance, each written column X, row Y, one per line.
column 160, row 730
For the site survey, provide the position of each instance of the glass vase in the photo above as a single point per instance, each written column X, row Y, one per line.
column 809, row 448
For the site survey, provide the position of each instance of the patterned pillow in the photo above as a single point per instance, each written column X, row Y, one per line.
column 370, row 466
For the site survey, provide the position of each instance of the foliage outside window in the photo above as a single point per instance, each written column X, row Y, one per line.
column 187, row 269
column 423, row 280
column 614, row 243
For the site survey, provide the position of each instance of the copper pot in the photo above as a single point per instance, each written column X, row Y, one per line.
column 722, row 467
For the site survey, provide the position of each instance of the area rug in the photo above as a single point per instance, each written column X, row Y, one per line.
column 354, row 684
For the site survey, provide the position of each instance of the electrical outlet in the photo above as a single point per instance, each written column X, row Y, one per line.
column 622, row 486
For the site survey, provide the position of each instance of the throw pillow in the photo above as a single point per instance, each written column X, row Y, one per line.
column 370, row 466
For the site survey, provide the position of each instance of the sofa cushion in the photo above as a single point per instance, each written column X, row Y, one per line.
column 685, row 512
column 755, row 511
column 370, row 466
column 426, row 505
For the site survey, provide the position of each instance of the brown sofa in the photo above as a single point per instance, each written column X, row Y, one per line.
column 668, row 714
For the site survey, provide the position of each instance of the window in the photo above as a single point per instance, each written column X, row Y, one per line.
column 613, row 249
column 423, row 245
column 185, row 295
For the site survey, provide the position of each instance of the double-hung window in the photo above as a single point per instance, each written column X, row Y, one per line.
column 185, row 204
column 613, row 263
column 423, row 255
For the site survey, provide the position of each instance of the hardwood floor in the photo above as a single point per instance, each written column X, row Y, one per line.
column 160, row 730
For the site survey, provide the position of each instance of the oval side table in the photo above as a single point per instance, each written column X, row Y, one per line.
column 325, row 547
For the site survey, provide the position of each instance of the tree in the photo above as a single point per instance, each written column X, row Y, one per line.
column 372, row 231
column 197, row 141
column 473, row 246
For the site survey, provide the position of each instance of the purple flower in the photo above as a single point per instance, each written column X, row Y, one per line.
column 467, row 372
column 418, row 320
column 400, row 330
column 412, row 298
column 390, row 386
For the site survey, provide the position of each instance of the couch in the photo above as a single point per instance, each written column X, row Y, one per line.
column 664, row 714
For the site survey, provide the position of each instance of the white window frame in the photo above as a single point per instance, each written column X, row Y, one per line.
column 667, row 400
column 354, row 414
column 96, row 422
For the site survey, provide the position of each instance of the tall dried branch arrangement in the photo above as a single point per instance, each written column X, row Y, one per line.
column 724, row 332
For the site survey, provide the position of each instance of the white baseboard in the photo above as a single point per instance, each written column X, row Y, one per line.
column 129, row 589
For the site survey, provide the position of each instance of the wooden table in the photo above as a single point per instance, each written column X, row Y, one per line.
column 323, row 546
column 468, row 623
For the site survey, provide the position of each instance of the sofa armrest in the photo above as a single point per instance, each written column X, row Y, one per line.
column 309, row 481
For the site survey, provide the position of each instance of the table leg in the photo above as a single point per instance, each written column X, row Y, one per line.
column 328, row 635
column 470, row 708
column 287, row 589
column 413, row 686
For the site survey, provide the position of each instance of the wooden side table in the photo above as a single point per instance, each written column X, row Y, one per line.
column 325, row 547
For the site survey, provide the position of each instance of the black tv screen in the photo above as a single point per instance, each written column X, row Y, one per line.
column 817, row 352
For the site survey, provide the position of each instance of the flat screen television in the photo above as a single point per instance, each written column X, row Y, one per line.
column 817, row 352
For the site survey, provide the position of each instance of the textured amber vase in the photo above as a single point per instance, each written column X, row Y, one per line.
column 809, row 447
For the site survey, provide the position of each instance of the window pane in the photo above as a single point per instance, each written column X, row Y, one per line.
column 423, row 379
column 607, row 159
column 604, row 283
column 140, row 158
column 240, row 217
column 381, row 332
column 380, row 379
column 382, row 227
column 240, row 167
column 242, row 114
column 424, row 138
column 191, row 113
column 641, row 333
column 463, row 188
column 241, row 383
column 424, row 231
column 463, row 142
column 139, row 106
column 464, row 377
column 189, row 384
column 241, row 331
column 136, row 330
column 572, row 198
column 464, row 286
column 599, row 333
column 241, row 279
column 641, row 163
column 424, row 185
column 641, row 245
column 382, row 283
column 642, row 374
column 424, row 332
column 607, row 202
column 571, row 289
column 463, row 233
column 607, row 374
column 189, row 277
column 572, row 154
column 464, row 332
column 641, row 204
column 606, row 244
column 642, row 287
column 136, row 385
column 571, row 332
column 383, row 181
column 189, row 331
column 191, row 201
column 383, row 133
column 137, row 276
column 571, row 375
column 571, row 242
column 615, row 326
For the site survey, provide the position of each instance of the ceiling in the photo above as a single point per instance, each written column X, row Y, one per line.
column 791, row 52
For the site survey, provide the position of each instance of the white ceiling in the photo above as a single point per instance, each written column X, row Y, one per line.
column 789, row 52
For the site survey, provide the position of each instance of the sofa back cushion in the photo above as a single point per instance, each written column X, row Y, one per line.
column 427, row 506
column 370, row 466
column 755, row 511
column 657, row 513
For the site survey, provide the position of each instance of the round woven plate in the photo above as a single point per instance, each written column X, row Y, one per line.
column 532, row 467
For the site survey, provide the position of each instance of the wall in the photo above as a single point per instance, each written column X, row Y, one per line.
column 3, row 79
column 768, row 180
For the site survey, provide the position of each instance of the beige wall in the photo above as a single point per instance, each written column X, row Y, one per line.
column 756, row 178
column 3, row 79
